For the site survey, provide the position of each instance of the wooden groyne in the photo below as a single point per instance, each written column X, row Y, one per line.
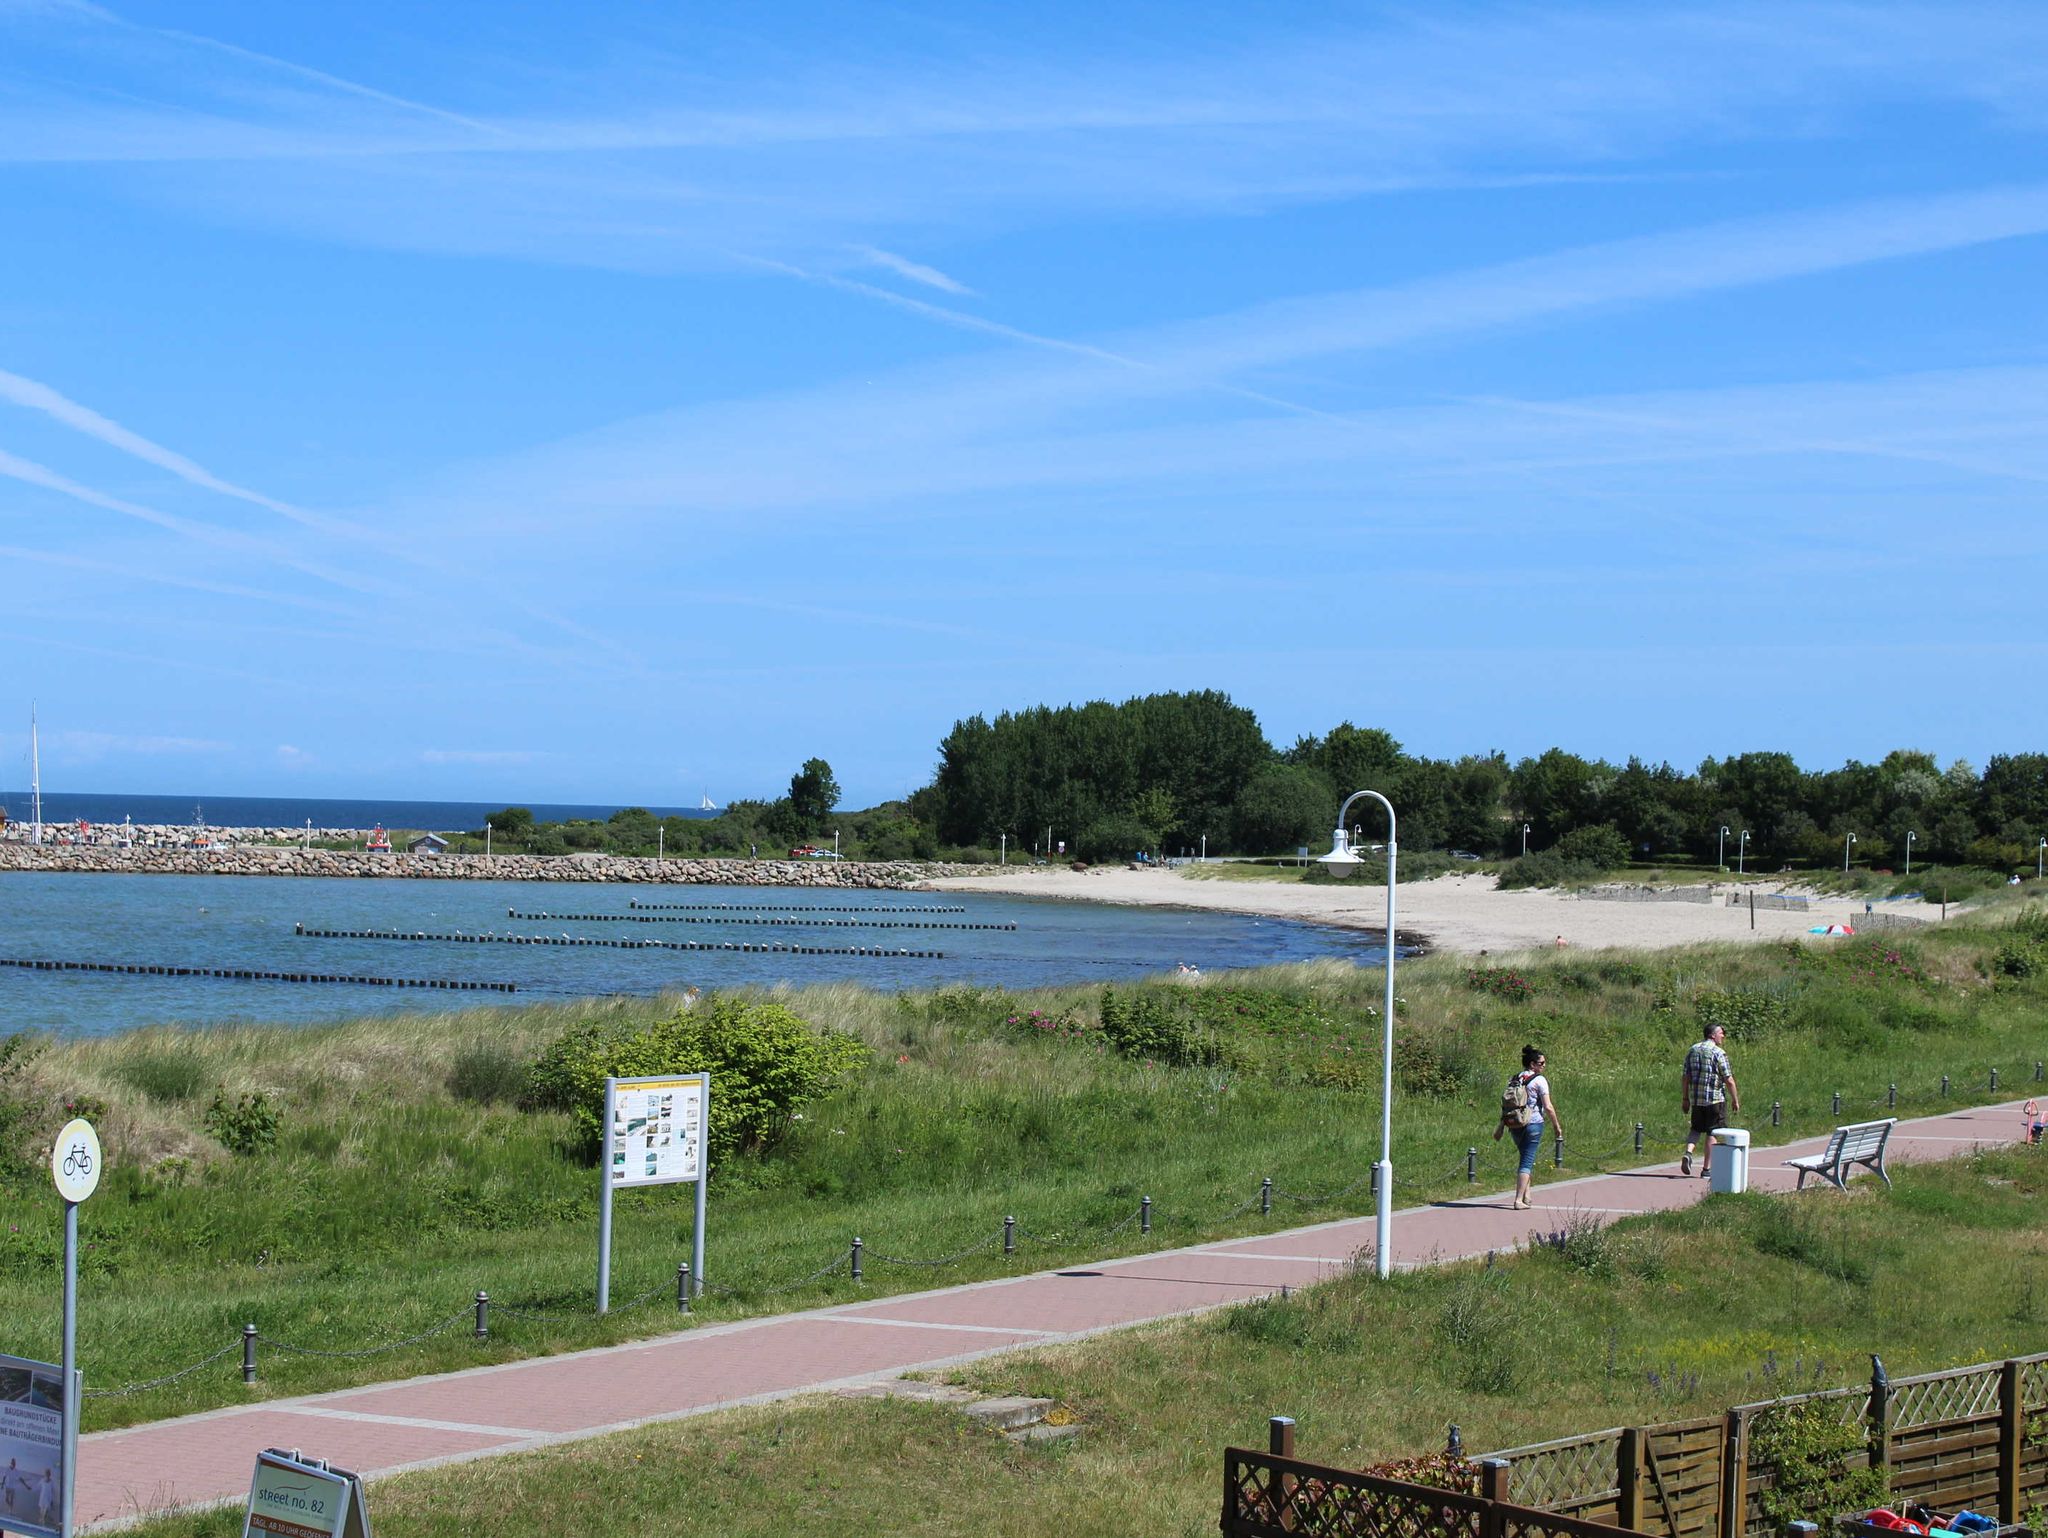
column 788, row 920
column 252, row 974
column 634, row 902
column 273, row 860
column 765, row 948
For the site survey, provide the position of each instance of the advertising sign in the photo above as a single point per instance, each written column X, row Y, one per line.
column 32, row 1483
column 657, row 1130
column 292, row 1496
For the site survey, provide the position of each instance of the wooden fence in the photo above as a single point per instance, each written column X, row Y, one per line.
column 1972, row 1436
column 1276, row 1495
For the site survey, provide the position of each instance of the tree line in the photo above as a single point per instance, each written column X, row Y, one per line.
column 1167, row 772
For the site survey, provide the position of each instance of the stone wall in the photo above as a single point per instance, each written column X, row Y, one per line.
column 1651, row 894
column 257, row 860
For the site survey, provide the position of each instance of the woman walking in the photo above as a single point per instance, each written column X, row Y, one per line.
column 1524, row 1107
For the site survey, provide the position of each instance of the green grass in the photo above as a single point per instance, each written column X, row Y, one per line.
column 403, row 1181
column 1654, row 1319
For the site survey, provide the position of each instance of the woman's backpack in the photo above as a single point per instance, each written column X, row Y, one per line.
column 1515, row 1109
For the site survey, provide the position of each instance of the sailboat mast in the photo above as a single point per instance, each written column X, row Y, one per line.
column 35, row 774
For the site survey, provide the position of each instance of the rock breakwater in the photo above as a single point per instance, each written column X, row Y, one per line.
column 259, row 860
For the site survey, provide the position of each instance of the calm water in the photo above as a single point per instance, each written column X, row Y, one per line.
column 227, row 921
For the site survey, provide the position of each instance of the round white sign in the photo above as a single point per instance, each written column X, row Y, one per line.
column 75, row 1161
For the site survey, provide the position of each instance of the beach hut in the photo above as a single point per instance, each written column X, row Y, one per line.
column 428, row 843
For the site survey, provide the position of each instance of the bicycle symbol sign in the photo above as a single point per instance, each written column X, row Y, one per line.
column 76, row 1161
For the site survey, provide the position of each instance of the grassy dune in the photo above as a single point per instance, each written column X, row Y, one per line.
column 405, row 1178
column 1654, row 1319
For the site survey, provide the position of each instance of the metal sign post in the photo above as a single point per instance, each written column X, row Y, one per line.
column 654, row 1135
column 75, row 1164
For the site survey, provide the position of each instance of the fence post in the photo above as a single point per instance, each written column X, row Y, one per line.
column 1493, row 1489
column 1798, row 1529
column 483, row 1316
column 1144, row 1214
column 856, row 1257
column 248, row 1353
column 1734, row 1476
column 1471, row 1166
column 1280, row 1443
column 1280, row 1436
column 1628, row 1471
column 1880, row 1415
column 2010, row 1445
column 1266, row 1196
column 1009, row 1236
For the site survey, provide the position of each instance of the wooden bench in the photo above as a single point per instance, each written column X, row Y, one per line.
column 1861, row 1142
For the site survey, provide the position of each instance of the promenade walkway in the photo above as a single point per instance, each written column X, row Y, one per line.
column 383, row 1428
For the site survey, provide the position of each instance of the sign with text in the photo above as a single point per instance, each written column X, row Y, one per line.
column 32, row 1483
column 655, row 1129
column 292, row 1496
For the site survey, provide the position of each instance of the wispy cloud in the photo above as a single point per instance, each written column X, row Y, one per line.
column 483, row 756
column 916, row 272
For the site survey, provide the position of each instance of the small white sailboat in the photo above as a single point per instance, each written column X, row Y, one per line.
column 707, row 804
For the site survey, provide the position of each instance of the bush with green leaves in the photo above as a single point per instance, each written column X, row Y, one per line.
column 245, row 1125
column 1808, row 1446
column 766, row 1063
column 1746, row 1014
column 1600, row 846
column 1547, row 868
column 1151, row 1025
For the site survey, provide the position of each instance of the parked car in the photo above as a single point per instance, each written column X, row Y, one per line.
column 1463, row 854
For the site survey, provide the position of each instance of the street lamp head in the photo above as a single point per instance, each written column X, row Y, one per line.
column 1341, row 861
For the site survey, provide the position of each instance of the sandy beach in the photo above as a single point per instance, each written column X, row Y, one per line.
column 1456, row 913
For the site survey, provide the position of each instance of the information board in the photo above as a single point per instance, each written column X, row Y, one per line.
column 32, row 1483
column 293, row 1496
column 656, row 1130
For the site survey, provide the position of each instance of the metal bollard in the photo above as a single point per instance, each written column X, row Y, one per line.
column 1266, row 1196
column 1838, row 1103
column 1994, row 1079
column 1891, row 1097
column 2040, row 1068
column 483, row 1316
column 1144, row 1214
column 1777, row 1113
column 248, row 1353
column 1557, row 1150
column 1944, row 1086
column 1375, row 1184
column 1009, row 1236
column 1639, row 1137
column 1471, row 1166
column 683, row 1288
column 856, row 1257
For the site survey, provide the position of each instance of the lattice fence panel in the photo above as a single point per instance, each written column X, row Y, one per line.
column 1568, row 1475
column 2034, row 1384
column 1281, row 1496
column 1949, row 1396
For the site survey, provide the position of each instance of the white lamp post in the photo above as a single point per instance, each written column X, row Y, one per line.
column 1341, row 861
column 660, row 842
column 1909, row 852
column 1525, row 838
column 1003, row 855
column 1848, row 843
column 1205, row 849
column 1741, row 851
column 487, row 838
column 1721, row 849
column 2040, row 852
column 835, row 843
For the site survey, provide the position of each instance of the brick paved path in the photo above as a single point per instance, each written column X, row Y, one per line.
column 380, row 1429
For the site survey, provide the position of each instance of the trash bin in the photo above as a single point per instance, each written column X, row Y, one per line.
column 1731, row 1160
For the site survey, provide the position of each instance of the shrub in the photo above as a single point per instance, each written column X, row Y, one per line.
column 486, row 1073
column 1354, row 1075
column 1501, row 982
column 1434, row 1066
column 1745, row 1013
column 17, row 1102
column 246, row 1125
column 1152, row 1026
column 1601, row 846
column 765, row 1063
column 1546, row 868
column 2017, row 961
column 1806, row 1447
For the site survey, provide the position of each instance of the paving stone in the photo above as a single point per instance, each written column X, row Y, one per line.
column 1009, row 1412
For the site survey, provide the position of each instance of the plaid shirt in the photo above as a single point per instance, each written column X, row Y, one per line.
column 1706, row 1074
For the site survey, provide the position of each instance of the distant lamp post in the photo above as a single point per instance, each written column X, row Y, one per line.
column 660, row 842
column 1848, row 843
column 2040, row 852
column 835, row 843
column 1741, row 851
column 1525, row 840
column 1205, row 849
column 308, row 844
column 1342, row 860
column 1721, row 849
column 487, row 838
column 1003, row 852
column 1909, row 852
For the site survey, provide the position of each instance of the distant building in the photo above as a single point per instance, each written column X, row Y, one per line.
column 428, row 843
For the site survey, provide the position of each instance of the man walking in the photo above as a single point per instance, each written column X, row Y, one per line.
column 1708, row 1094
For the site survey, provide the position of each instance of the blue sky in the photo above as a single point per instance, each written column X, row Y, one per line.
column 609, row 403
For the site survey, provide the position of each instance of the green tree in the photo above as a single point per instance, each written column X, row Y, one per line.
column 1281, row 808
column 514, row 822
column 813, row 793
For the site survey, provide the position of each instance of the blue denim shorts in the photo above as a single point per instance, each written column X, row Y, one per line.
column 1530, row 1140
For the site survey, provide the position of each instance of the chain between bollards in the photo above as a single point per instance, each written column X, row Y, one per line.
column 856, row 1257
column 1144, row 1214
column 483, row 1316
column 248, row 1353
